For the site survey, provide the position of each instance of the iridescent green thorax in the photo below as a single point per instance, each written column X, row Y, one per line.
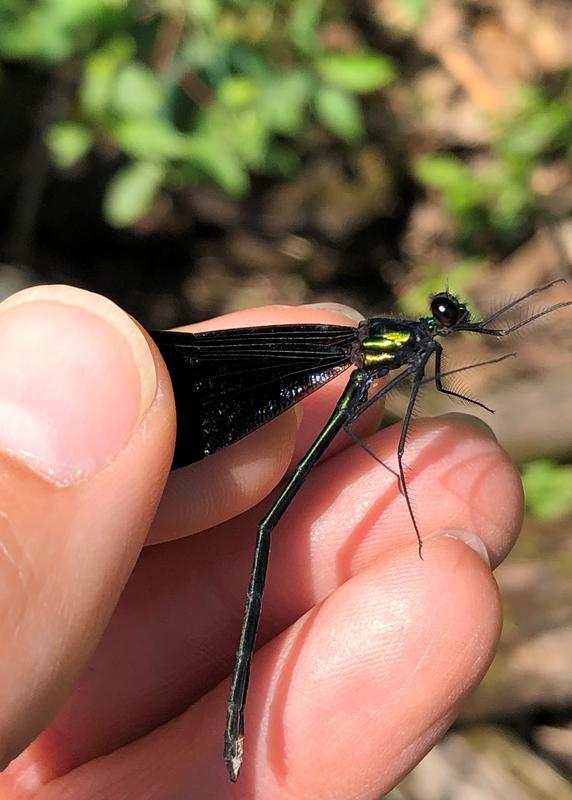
column 381, row 349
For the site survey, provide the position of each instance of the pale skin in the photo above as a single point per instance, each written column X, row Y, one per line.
column 114, row 687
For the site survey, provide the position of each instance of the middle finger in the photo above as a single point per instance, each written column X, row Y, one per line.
column 175, row 630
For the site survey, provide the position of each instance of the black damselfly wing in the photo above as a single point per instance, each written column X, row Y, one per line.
column 228, row 383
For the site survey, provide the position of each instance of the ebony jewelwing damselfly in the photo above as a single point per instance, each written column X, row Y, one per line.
column 228, row 383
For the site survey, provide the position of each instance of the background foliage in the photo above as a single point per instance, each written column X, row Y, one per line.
column 214, row 90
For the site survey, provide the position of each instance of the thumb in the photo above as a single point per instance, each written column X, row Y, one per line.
column 86, row 437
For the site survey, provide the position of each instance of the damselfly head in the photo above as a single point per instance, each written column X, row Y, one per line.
column 448, row 311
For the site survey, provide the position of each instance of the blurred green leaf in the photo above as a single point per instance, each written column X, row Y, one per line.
column 248, row 60
column 204, row 12
column 462, row 190
column 238, row 86
column 496, row 199
column 303, row 24
column 511, row 203
column 250, row 140
column 357, row 72
column 547, row 489
column 416, row 9
column 541, row 125
column 204, row 51
column 68, row 142
column 237, row 91
column 283, row 101
column 131, row 191
column 340, row 112
column 53, row 30
column 100, row 71
column 151, row 139
column 136, row 91
column 219, row 162
column 441, row 171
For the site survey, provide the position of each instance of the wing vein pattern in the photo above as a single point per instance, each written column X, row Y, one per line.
column 230, row 382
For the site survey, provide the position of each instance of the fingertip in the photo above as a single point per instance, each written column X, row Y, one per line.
column 482, row 471
column 383, row 661
column 76, row 379
column 277, row 315
column 86, row 443
column 469, row 420
column 470, row 539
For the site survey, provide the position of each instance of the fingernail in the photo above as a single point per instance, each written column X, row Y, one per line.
column 76, row 377
column 469, row 419
column 471, row 540
column 339, row 308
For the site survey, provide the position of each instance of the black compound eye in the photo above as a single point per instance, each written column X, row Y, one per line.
column 446, row 310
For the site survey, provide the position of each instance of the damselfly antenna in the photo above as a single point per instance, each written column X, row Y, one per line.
column 481, row 325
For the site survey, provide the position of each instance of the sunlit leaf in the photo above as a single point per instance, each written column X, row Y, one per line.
column 284, row 100
column 136, row 91
column 149, row 138
column 547, row 489
column 441, row 171
column 250, row 138
column 100, row 72
column 203, row 11
column 340, row 112
column 237, row 91
column 462, row 190
column 131, row 191
column 357, row 72
column 415, row 9
column 68, row 142
column 303, row 24
column 53, row 30
column 218, row 162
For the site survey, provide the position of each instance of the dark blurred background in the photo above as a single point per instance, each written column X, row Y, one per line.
column 192, row 158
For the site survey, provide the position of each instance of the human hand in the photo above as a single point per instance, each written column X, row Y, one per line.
column 366, row 651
